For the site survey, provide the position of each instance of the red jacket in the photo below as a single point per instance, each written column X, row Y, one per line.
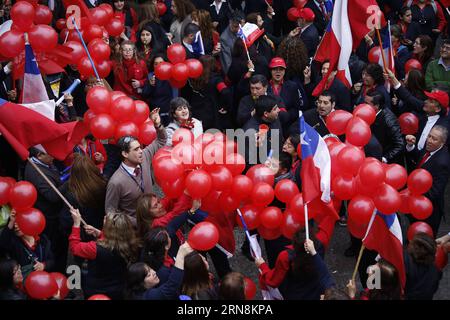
column 127, row 71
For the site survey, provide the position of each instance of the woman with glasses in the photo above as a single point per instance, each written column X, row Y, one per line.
column 130, row 72
column 180, row 112
column 11, row 280
column 109, row 256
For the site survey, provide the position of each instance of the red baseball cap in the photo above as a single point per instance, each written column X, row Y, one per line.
column 439, row 96
column 307, row 14
column 277, row 62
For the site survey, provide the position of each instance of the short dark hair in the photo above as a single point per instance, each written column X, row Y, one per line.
column 236, row 16
column 178, row 102
column 232, row 287
column 124, row 144
column 377, row 98
column 264, row 104
column 376, row 72
column 259, row 78
column 422, row 249
column 445, row 41
column 191, row 28
column 295, row 140
column 330, row 94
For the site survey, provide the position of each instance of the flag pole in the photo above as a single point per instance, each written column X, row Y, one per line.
column 86, row 49
column 53, row 187
column 306, row 221
column 381, row 49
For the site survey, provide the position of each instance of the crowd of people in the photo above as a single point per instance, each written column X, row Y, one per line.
column 129, row 239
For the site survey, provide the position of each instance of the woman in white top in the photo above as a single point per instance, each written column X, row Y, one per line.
column 180, row 112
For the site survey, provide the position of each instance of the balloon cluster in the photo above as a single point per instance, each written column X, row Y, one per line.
column 32, row 19
column 178, row 70
column 367, row 182
column 293, row 13
column 21, row 196
column 100, row 24
column 112, row 115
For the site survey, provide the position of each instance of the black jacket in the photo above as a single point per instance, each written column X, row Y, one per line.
column 422, row 281
column 12, row 294
column 222, row 18
column 290, row 96
column 319, row 20
column 310, row 37
column 314, row 120
column 247, row 105
column 386, row 129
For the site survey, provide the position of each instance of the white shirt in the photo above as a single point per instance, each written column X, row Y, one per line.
column 431, row 121
column 318, row 6
column 217, row 6
column 129, row 169
column 188, row 46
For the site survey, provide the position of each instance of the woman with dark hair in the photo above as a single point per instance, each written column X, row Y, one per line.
column 128, row 16
column 197, row 280
column 294, row 52
column 300, row 272
column 390, row 288
column 290, row 146
column 149, row 16
column 410, row 29
column 130, row 72
column 232, row 287
column 423, row 50
column 11, row 280
column 208, row 96
column 181, row 115
column 373, row 80
column 158, row 93
column 182, row 10
column 415, row 84
column 400, row 51
column 108, row 256
column 422, row 275
column 146, row 42
column 210, row 37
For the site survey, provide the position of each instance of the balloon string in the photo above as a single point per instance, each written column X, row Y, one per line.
column 86, row 49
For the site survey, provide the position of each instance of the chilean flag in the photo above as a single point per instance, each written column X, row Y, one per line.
column 33, row 86
column 384, row 235
column 316, row 164
column 24, row 128
column 250, row 33
column 350, row 22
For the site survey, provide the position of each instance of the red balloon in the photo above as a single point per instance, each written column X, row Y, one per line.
column 297, row 206
column 103, row 68
column 419, row 181
column 350, row 159
column 412, row 64
column 98, row 49
column 209, row 203
column 166, row 169
column 5, row 189
column 205, row 139
column 176, row 53
column 203, row 236
column 103, row 126
column 31, row 221
column 173, row 189
column 60, row 24
column 365, row 112
column 291, row 223
column 261, row 173
column 41, row 285
column 22, row 195
column 337, row 121
column 22, row 15
column 374, row 54
column 182, row 135
column 99, row 99
column 360, row 210
column 115, row 27
column 419, row 227
column 396, row 176
column 269, row 234
column 187, row 155
column 108, row 9
column 84, row 23
column 141, row 112
column 358, row 132
column 126, row 129
column 99, row 297
column 222, row 179
column 93, row 32
column 123, row 109
column 372, row 173
column 441, row 259
column 147, row 133
column 356, row 230
column 88, row 116
column 164, row 152
column 228, row 203
column 249, row 288
column 387, row 199
column 195, row 68
column 271, row 217
column 177, row 84
column 162, row 8
column 285, row 190
column 343, row 187
column 42, row 15
column 116, row 95
column 335, row 149
column 262, row 194
column 43, row 38
column 420, row 207
column 99, row 16
column 293, row 14
column 12, row 43
column 299, row 3
column 241, row 187
column 213, row 155
column 404, row 196
column 163, row 71
column 235, row 162
column 78, row 51
column 409, row 123
column 198, row 184
column 250, row 214
column 61, row 282
column 180, row 72
column 85, row 68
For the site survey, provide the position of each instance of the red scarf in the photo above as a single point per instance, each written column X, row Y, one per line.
column 188, row 124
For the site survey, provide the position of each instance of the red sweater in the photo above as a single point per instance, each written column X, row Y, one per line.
column 129, row 70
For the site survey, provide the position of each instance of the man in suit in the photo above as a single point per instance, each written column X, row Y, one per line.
column 189, row 33
column 220, row 12
column 308, row 31
column 316, row 118
column 436, row 160
column 321, row 14
column 227, row 39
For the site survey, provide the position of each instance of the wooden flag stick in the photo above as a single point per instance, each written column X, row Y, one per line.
column 358, row 262
column 53, row 187
column 381, row 49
